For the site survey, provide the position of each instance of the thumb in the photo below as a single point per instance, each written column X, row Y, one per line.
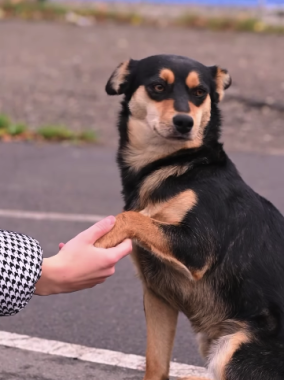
column 98, row 230
column 121, row 250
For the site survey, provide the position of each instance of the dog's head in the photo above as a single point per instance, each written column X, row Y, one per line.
column 171, row 94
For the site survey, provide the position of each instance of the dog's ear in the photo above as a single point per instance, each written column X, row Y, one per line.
column 222, row 80
column 119, row 80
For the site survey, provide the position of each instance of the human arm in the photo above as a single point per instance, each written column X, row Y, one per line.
column 20, row 269
column 79, row 265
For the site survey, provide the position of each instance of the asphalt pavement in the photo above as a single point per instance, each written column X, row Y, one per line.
column 85, row 180
column 25, row 365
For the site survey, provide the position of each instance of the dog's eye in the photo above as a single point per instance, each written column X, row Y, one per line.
column 159, row 88
column 199, row 92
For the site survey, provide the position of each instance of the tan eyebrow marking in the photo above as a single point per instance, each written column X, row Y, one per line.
column 192, row 79
column 167, row 75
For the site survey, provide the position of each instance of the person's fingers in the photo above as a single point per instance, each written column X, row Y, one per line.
column 98, row 230
column 120, row 251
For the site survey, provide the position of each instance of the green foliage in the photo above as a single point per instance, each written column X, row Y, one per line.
column 246, row 24
column 17, row 129
column 56, row 133
column 4, row 121
column 47, row 10
column 88, row 136
column 61, row 133
column 20, row 131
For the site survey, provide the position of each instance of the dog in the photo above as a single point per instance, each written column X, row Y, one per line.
column 204, row 243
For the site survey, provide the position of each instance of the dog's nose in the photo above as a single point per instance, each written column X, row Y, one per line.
column 183, row 123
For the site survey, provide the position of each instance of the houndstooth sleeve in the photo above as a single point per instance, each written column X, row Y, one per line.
column 20, row 269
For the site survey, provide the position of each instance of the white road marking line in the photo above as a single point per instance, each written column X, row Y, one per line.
column 89, row 354
column 21, row 214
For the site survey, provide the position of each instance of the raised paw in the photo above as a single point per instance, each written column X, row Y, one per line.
column 111, row 239
column 116, row 235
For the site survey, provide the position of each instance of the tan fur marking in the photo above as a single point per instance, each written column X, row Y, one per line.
column 201, row 116
column 166, row 111
column 146, row 146
column 144, row 143
column 150, row 124
column 174, row 210
column 198, row 274
column 223, row 351
column 206, row 112
column 161, row 320
column 146, row 232
column 119, row 75
column 193, row 378
column 167, row 75
column 192, row 79
column 139, row 102
column 156, row 178
column 222, row 80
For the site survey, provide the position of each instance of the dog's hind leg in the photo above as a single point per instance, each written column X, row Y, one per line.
column 257, row 360
column 241, row 356
column 161, row 321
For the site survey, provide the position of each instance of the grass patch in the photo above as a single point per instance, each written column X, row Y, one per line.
column 88, row 136
column 10, row 131
column 56, row 133
column 4, row 121
column 246, row 24
column 17, row 129
column 33, row 10
column 82, row 15
column 45, row 10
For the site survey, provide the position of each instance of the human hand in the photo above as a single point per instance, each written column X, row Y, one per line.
column 79, row 265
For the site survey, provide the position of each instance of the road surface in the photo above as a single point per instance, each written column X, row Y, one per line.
column 76, row 180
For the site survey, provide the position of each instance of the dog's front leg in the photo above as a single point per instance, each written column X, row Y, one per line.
column 147, row 232
column 161, row 321
column 134, row 225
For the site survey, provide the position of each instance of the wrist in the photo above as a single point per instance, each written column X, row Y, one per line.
column 49, row 281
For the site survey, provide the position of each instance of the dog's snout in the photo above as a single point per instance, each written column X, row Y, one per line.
column 183, row 123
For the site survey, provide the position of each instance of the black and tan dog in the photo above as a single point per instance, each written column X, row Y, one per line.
column 205, row 243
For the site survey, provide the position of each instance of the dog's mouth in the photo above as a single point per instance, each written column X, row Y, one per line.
column 181, row 137
column 174, row 135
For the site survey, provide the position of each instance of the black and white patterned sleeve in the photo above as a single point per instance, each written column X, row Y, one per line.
column 20, row 269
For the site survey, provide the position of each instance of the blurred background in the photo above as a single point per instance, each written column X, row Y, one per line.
column 58, row 133
column 56, row 58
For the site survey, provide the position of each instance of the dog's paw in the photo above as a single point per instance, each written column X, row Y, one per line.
column 112, row 238
column 104, row 242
